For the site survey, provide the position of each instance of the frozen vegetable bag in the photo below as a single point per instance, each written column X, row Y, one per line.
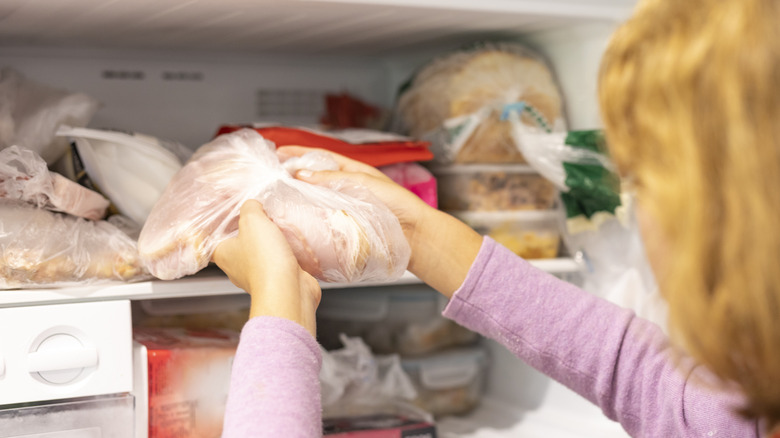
column 339, row 233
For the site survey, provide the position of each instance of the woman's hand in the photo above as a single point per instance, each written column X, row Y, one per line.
column 260, row 261
column 407, row 207
column 443, row 248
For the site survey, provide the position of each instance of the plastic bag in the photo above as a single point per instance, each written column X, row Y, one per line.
column 31, row 112
column 132, row 170
column 457, row 102
column 601, row 229
column 339, row 233
column 41, row 248
column 24, row 176
column 354, row 382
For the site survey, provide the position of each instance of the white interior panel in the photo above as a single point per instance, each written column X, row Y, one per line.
column 190, row 111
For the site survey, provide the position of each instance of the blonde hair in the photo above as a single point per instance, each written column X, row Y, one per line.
column 690, row 99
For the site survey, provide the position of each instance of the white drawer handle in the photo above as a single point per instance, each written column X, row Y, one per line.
column 58, row 360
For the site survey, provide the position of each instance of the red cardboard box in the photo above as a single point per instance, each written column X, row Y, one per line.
column 188, row 375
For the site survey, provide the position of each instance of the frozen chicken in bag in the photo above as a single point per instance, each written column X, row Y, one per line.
column 339, row 233
column 41, row 248
column 24, row 176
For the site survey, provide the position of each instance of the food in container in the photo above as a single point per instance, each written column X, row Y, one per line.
column 390, row 320
column 493, row 187
column 529, row 234
column 450, row 382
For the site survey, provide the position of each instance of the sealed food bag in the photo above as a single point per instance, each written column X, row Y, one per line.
column 31, row 112
column 24, row 176
column 40, row 248
column 339, row 233
column 132, row 170
column 458, row 103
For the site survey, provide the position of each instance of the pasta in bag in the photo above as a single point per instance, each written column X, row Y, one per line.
column 42, row 248
column 339, row 233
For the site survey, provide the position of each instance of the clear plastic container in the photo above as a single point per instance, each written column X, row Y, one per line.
column 450, row 382
column 529, row 234
column 493, row 187
column 390, row 320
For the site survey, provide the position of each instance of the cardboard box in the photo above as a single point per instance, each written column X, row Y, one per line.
column 186, row 383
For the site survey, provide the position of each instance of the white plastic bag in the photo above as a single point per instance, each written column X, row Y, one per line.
column 601, row 230
column 31, row 112
column 340, row 233
column 40, row 248
column 354, row 382
column 24, row 176
column 132, row 170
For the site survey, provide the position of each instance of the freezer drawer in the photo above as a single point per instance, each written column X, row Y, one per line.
column 95, row 417
column 65, row 351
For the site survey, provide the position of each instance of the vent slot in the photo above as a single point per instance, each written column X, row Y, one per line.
column 290, row 103
column 184, row 76
column 124, row 75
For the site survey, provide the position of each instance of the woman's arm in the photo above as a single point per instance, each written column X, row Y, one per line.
column 620, row 362
column 274, row 386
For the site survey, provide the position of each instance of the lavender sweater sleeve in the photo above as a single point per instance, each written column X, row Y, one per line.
column 605, row 353
column 274, row 387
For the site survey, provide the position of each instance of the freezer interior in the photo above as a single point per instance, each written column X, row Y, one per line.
column 179, row 70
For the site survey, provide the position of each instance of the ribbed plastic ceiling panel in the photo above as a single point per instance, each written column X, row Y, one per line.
column 300, row 26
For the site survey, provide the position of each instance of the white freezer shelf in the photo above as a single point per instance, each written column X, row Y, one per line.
column 210, row 281
column 495, row 419
column 285, row 26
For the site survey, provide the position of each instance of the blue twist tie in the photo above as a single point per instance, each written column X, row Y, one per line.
column 508, row 108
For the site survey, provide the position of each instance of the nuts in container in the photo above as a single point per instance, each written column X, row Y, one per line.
column 493, row 187
column 529, row 234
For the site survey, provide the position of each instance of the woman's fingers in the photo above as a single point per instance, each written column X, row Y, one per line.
column 345, row 164
column 322, row 177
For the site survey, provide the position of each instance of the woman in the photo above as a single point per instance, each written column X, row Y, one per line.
column 689, row 98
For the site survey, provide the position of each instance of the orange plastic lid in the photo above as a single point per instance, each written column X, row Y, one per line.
column 381, row 153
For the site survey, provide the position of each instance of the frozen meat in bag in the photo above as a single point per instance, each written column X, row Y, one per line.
column 339, row 233
column 41, row 248
column 24, row 176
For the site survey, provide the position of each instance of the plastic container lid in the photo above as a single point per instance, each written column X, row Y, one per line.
column 450, row 369
column 482, row 168
column 489, row 217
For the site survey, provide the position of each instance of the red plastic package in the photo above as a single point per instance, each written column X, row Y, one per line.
column 371, row 147
column 345, row 111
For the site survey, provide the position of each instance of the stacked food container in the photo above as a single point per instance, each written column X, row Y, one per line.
column 445, row 362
